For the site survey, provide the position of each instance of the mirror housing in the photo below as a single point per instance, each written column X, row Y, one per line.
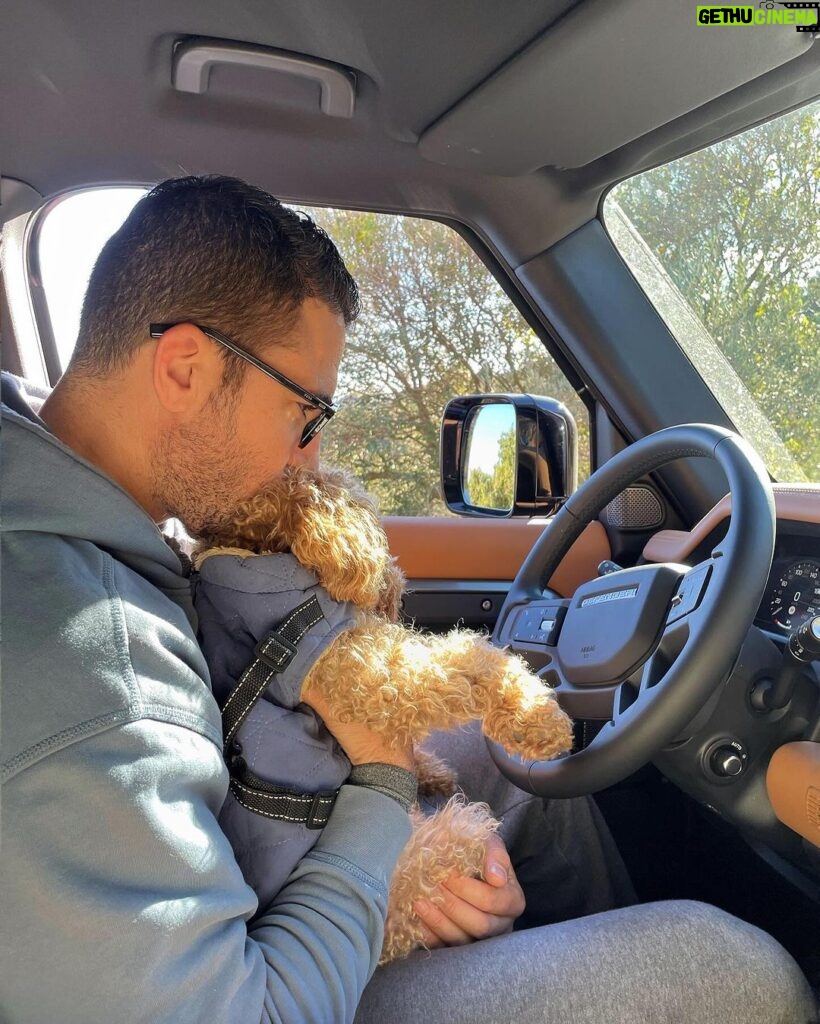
column 545, row 469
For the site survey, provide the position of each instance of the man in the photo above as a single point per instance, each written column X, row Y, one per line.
column 121, row 897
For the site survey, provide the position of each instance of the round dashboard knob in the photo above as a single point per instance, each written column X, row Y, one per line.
column 726, row 762
column 804, row 643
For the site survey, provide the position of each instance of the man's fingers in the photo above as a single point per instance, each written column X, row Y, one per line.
column 457, row 922
column 507, row 901
column 471, row 908
column 497, row 864
column 430, row 940
column 441, row 925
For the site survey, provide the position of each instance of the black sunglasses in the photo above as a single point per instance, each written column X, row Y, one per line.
column 326, row 409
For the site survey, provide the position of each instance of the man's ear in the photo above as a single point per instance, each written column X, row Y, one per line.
column 187, row 369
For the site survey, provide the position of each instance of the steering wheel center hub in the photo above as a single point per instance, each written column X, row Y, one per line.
column 613, row 624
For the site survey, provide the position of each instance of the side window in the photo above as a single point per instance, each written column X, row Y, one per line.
column 69, row 241
column 725, row 243
column 434, row 324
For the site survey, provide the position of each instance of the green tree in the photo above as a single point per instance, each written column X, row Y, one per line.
column 496, row 489
column 434, row 324
column 736, row 227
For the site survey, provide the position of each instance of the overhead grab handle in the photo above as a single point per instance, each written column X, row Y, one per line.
column 194, row 58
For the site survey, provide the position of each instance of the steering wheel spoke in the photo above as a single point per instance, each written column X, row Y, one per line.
column 690, row 611
column 627, row 694
column 634, row 693
column 594, row 703
column 692, row 595
column 676, row 635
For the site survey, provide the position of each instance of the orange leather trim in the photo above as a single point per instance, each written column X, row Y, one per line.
column 487, row 549
column 800, row 502
column 793, row 785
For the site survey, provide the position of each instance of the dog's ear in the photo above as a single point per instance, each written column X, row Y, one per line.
column 341, row 538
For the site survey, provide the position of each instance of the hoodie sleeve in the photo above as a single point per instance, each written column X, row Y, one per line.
column 122, row 899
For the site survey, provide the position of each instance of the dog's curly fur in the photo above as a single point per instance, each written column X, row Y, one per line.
column 399, row 682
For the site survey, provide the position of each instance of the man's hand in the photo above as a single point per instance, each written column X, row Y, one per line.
column 473, row 908
column 362, row 745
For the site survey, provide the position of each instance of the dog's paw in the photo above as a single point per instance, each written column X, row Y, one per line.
column 543, row 731
column 528, row 720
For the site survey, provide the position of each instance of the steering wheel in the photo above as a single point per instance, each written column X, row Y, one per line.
column 644, row 647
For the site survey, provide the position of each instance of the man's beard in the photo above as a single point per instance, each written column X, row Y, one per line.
column 199, row 476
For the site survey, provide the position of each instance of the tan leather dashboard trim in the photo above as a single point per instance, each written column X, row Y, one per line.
column 798, row 502
column 487, row 549
column 793, row 785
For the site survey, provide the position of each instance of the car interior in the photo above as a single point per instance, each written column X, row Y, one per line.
column 651, row 595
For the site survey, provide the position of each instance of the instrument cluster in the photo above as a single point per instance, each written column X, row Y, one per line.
column 792, row 593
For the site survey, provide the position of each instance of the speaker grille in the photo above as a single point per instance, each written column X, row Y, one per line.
column 636, row 508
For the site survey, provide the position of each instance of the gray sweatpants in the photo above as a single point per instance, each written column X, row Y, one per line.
column 606, row 962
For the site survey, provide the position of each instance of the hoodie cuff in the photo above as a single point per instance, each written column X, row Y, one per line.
column 389, row 779
column 367, row 830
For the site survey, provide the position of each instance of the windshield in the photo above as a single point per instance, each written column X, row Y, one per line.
column 726, row 244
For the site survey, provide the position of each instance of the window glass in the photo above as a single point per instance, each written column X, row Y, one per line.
column 726, row 244
column 434, row 324
column 72, row 235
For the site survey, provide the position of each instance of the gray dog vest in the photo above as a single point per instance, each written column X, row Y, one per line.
column 264, row 621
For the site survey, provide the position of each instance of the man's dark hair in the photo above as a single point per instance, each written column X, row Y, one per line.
column 211, row 250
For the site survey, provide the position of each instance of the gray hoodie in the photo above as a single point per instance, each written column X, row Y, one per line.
column 121, row 897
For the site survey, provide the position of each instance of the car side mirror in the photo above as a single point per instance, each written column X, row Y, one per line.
column 507, row 455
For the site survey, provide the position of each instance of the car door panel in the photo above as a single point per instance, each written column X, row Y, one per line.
column 459, row 570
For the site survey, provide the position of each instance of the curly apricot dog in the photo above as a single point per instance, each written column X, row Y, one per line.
column 403, row 684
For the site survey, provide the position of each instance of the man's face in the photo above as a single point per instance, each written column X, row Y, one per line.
column 244, row 438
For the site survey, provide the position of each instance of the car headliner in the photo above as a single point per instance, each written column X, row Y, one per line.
column 88, row 98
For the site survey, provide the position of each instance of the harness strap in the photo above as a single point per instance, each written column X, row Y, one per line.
column 274, row 652
column 261, row 797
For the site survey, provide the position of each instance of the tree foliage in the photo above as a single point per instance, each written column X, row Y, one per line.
column 737, row 228
column 434, row 324
column 495, row 489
